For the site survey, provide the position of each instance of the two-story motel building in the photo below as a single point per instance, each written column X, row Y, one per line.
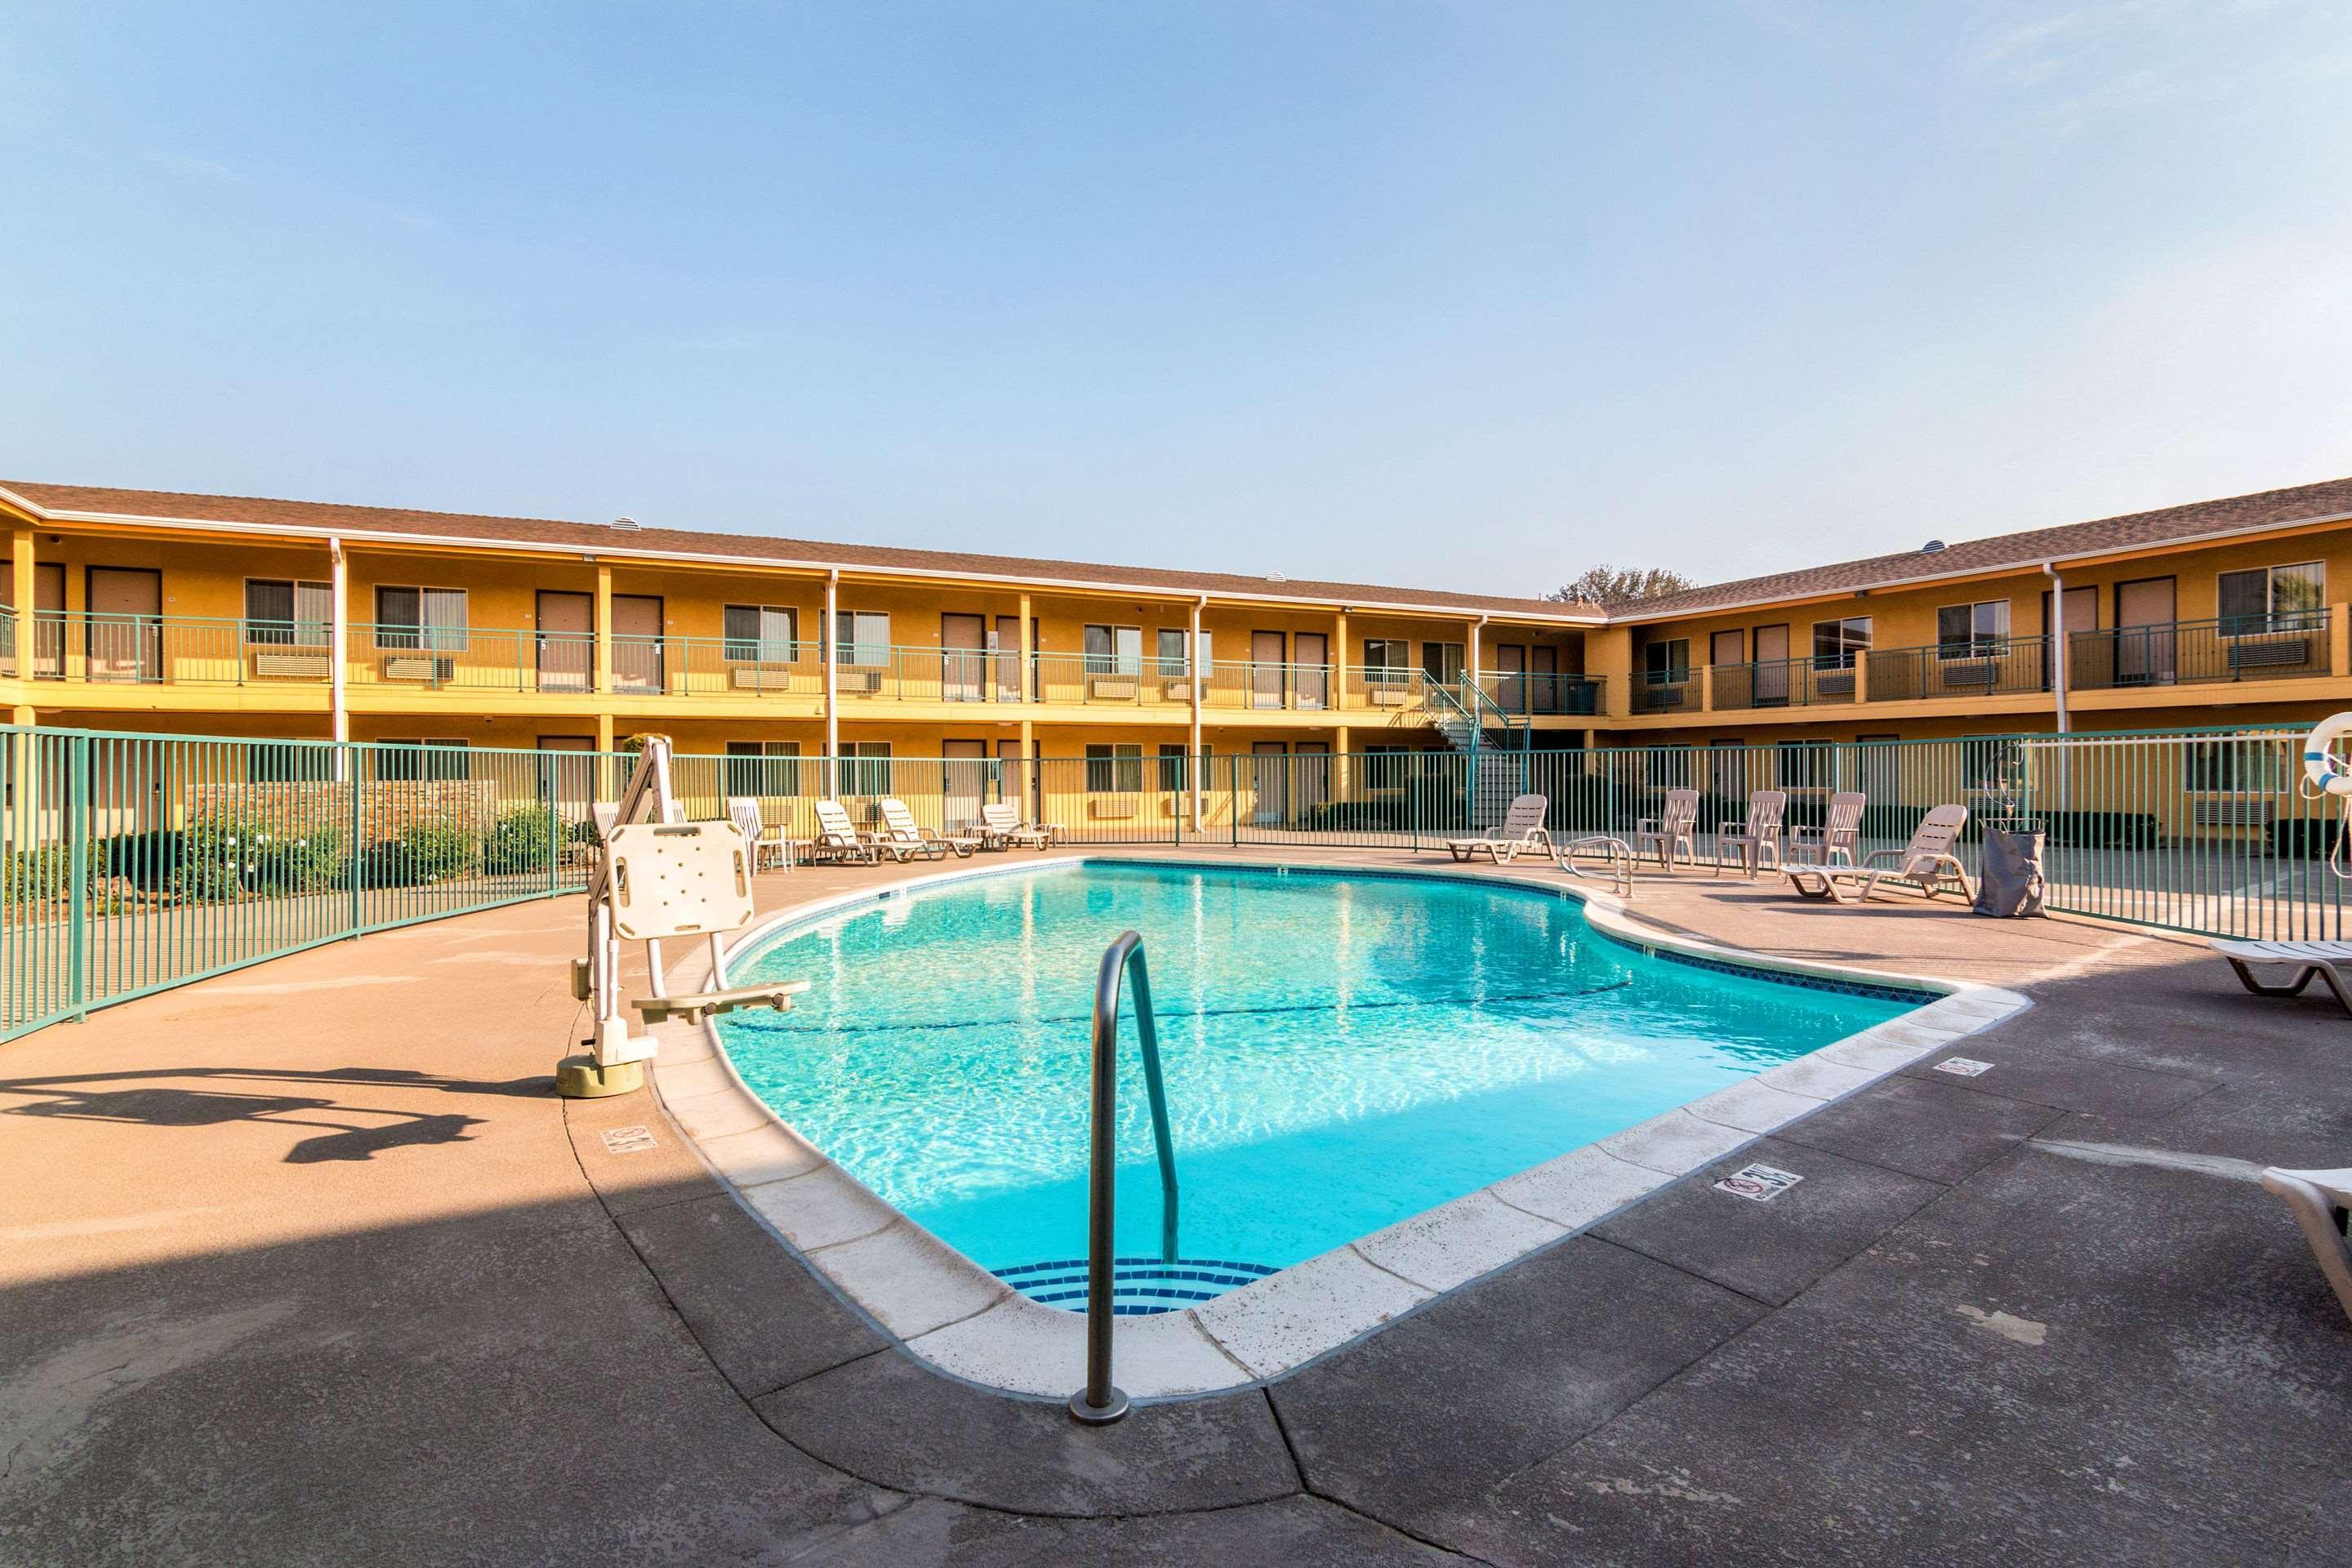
column 227, row 615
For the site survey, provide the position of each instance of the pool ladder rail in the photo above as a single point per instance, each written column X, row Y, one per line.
column 1616, row 853
column 1100, row 1402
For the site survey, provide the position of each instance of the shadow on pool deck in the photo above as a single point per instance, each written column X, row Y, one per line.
column 1982, row 1328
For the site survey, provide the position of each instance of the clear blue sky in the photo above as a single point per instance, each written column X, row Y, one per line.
column 1469, row 295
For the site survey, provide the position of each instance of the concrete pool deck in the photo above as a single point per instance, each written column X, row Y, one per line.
column 306, row 1264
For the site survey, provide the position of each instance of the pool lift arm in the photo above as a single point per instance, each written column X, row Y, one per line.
column 657, row 876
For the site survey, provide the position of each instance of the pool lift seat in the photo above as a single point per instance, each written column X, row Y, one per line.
column 659, row 877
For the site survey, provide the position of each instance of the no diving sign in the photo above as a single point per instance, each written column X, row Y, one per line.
column 1758, row 1183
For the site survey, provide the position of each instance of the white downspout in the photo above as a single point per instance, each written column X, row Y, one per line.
column 1193, row 668
column 338, row 584
column 2056, row 633
column 831, row 653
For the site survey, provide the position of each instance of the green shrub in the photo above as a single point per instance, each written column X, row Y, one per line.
column 438, row 849
column 31, row 876
column 230, row 856
column 522, row 839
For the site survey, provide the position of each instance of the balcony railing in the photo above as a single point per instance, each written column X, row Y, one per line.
column 1784, row 683
column 2190, row 653
column 1521, row 692
column 1988, row 669
column 1666, row 691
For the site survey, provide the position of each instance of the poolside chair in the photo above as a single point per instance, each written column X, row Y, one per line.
column 1839, row 834
column 2318, row 1200
column 768, row 845
column 1522, row 830
column 2330, row 961
column 1677, row 827
column 900, row 831
column 1753, row 841
column 1926, row 862
column 837, row 838
column 1000, row 828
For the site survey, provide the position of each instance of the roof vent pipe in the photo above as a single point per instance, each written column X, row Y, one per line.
column 1932, row 547
column 625, row 522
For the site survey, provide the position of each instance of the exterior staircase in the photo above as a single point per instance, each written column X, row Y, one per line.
column 1495, row 744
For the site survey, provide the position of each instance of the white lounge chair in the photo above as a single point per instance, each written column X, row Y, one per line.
column 1840, row 833
column 1521, row 831
column 2327, row 960
column 1754, row 841
column 837, row 838
column 900, row 831
column 768, row 845
column 1926, row 862
column 1000, row 828
column 1679, row 828
column 2318, row 1200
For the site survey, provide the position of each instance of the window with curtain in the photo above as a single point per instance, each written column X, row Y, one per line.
column 769, row 634
column 430, row 618
column 766, row 768
column 1667, row 661
column 1114, row 769
column 1388, row 661
column 287, row 614
column 2237, row 767
column 1442, row 661
column 1172, row 771
column 865, row 767
column 2273, row 598
column 1971, row 631
column 863, row 638
column 1170, row 646
column 1114, row 650
column 1837, row 643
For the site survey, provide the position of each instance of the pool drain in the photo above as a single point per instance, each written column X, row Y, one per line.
column 1140, row 1286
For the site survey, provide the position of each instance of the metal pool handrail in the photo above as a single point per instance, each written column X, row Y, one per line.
column 1100, row 1403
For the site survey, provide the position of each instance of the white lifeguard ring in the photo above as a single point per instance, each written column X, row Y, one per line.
column 2329, row 771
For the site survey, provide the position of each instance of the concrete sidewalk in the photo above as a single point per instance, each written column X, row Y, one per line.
column 307, row 1265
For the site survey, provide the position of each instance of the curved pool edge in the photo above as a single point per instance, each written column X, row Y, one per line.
column 936, row 1303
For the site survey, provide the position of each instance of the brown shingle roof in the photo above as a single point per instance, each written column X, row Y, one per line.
column 361, row 521
column 2268, row 508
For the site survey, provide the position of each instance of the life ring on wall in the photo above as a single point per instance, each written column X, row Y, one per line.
column 2328, row 771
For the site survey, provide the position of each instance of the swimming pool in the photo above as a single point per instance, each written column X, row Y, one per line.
column 1342, row 1050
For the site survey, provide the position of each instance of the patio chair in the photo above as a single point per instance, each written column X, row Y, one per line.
column 1678, row 826
column 1752, row 841
column 1839, row 834
column 1000, row 828
column 1522, row 829
column 768, row 845
column 837, row 838
column 2329, row 960
column 2318, row 1200
column 901, row 831
column 1926, row 862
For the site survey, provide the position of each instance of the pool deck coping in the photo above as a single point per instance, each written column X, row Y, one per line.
column 939, row 1305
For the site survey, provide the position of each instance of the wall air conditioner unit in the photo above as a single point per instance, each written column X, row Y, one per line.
column 1386, row 696
column 760, row 677
column 1111, row 806
column 1111, row 688
column 866, row 682
column 418, row 667
column 2269, row 653
column 290, row 664
column 2235, row 812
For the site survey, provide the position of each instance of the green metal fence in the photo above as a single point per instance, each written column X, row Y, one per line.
column 133, row 862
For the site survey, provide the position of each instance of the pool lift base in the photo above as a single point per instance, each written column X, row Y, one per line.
column 1098, row 1414
column 657, row 876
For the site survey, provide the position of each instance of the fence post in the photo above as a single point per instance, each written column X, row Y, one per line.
column 1234, row 761
column 78, row 891
column 358, row 867
column 548, row 784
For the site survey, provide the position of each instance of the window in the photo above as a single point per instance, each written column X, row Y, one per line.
column 2273, row 598
column 768, row 768
column 864, row 639
column 1388, row 661
column 766, row 633
column 288, row 765
column 430, row 618
column 440, row 759
column 865, row 767
column 1170, row 664
column 287, row 614
column 1442, row 661
column 1113, row 770
column 1172, row 771
column 1835, row 643
column 1666, row 662
column 1970, row 631
column 2236, row 767
column 1114, row 650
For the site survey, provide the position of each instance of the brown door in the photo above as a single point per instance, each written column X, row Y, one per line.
column 963, row 774
column 1543, row 679
column 1311, row 769
column 567, row 641
column 50, row 621
column 1313, row 684
column 567, row 782
column 1008, row 659
column 1511, row 677
column 963, row 658
column 1269, row 775
column 2146, row 644
column 636, row 642
column 126, row 626
column 1770, row 684
column 1267, row 684
column 2090, row 661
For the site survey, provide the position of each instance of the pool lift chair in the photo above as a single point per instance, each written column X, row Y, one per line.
column 659, row 877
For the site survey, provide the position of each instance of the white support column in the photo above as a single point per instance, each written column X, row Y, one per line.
column 1472, row 672
column 339, row 598
column 1195, row 676
column 831, row 652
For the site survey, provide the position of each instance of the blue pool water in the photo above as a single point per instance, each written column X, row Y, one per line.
column 1341, row 1051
